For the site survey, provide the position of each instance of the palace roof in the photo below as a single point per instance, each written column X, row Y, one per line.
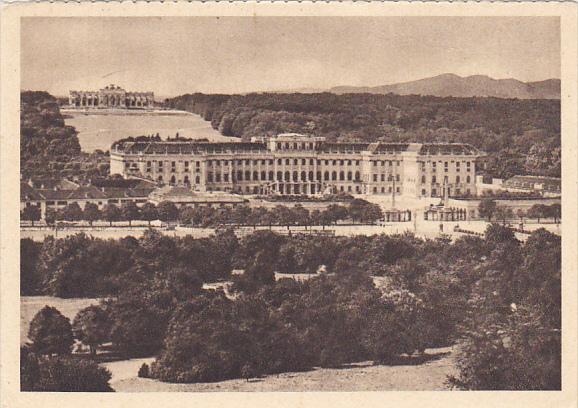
column 185, row 147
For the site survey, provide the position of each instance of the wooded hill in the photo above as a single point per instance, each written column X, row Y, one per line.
column 520, row 136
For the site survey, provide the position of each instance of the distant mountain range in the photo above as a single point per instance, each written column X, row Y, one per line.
column 455, row 85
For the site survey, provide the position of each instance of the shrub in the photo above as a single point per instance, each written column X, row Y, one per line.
column 143, row 371
column 62, row 374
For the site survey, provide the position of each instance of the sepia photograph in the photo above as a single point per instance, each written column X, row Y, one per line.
column 272, row 203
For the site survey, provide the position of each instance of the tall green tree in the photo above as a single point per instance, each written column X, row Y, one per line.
column 50, row 332
column 91, row 213
column 167, row 211
column 92, row 326
column 149, row 212
column 31, row 213
column 130, row 212
column 111, row 213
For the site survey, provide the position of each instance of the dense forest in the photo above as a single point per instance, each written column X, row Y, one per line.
column 49, row 148
column 497, row 297
column 520, row 136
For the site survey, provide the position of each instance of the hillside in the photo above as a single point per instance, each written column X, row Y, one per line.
column 521, row 136
column 457, row 86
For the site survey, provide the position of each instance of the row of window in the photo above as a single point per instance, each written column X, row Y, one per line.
column 295, row 176
column 271, row 162
column 446, row 180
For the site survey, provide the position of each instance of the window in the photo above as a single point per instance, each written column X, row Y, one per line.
column 422, row 179
column 434, row 192
column 263, row 175
column 349, row 162
column 357, row 162
column 468, row 179
column 218, row 177
column 334, row 175
column 279, row 176
column 240, row 175
column 383, row 177
column 397, row 190
column 311, row 162
column 423, row 191
column 287, row 162
column 287, row 176
column 303, row 162
column 326, row 176
column 341, row 175
column 375, row 177
column 311, row 177
column 397, row 163
column 209, row 177
column 255, row 175
column 263, row 162
column 334, row 162
column 225, row 178
column 433, row 179
column 303, row 176
column 349, row 189
column 247, row 175
column 349, row 176
column 375, row 163
column 457, row 179
column 271, row 175
column 197, row 180
column 397, row 177
column 295, row 162
column 295, row 176
column 375, row 189
column 279, row 161
column 357, row 176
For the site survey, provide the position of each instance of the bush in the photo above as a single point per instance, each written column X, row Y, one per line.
column 62, row 374
column 143, row 371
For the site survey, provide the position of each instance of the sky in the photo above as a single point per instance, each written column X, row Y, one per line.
column 177, row 55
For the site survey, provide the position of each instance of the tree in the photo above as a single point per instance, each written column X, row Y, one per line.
column 91, row 213
column 167, row 211
column 31, row 213
column 50, row 332
column 30, row 277
column 130, row 212
column 149, row 212
column 301, row 215
column 487, row 208
column 538, row 211
column 50, row 216
column 72, row 212
column 503, row 213
column 111, row 213
column 555, row 211
column 92, row 327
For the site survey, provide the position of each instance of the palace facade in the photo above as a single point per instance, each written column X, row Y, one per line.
column 300, row 164
column 111, row 96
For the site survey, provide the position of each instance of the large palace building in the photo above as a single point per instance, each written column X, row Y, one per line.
column 300, row 164
column 111, row 96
